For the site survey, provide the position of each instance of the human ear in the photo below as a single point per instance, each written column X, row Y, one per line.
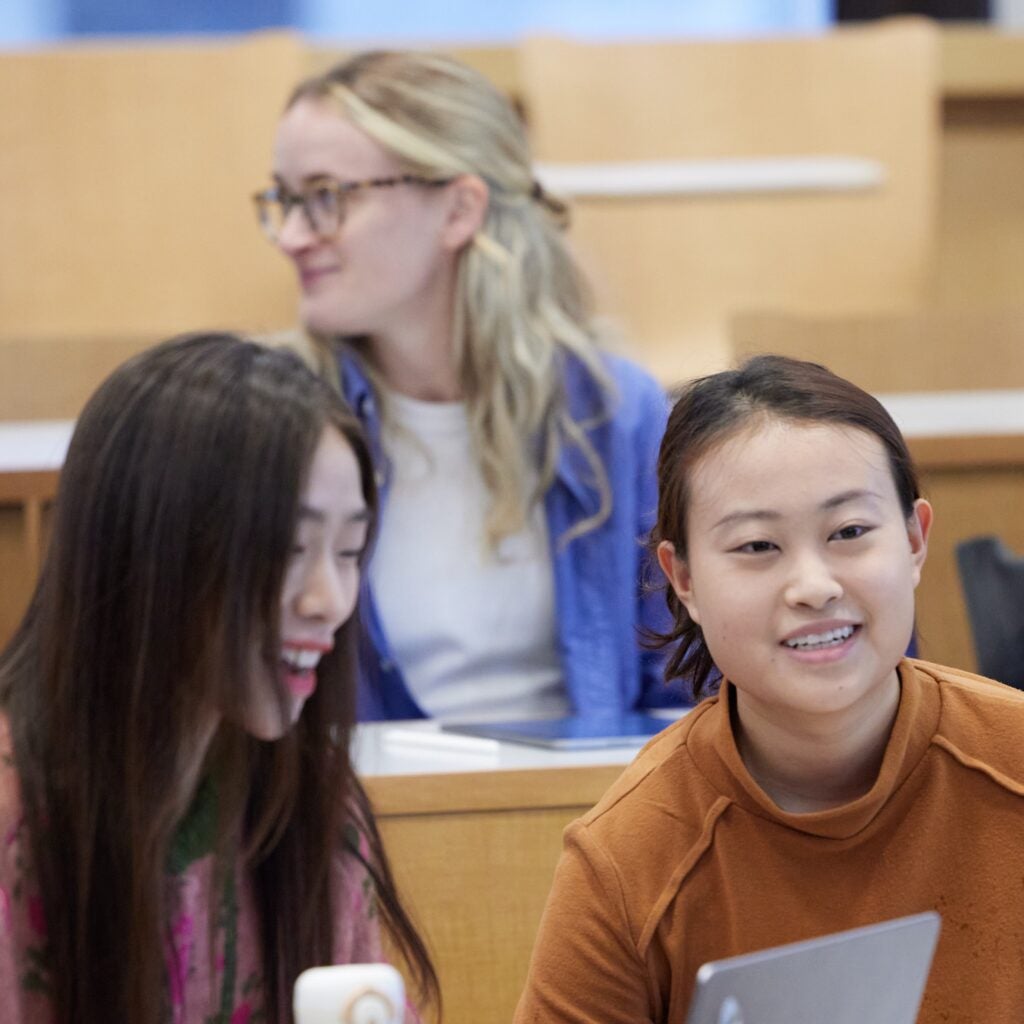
column 919, row 526
column 677, row 572
column 467, row 210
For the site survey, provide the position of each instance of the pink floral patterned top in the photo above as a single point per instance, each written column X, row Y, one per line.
column 225, row 988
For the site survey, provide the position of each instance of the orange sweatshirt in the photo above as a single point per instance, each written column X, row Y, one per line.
column 685, row 859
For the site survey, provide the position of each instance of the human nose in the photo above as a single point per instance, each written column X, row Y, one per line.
column 812, row 581
column 329, row 591
column 296, row 231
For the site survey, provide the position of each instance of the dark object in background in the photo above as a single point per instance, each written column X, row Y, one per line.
column 992, row 578
column 942, row 10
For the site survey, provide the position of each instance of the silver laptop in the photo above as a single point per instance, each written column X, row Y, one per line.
column 875, row 974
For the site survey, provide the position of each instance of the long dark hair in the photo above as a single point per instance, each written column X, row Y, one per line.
column 712, row 409
column 174, row 520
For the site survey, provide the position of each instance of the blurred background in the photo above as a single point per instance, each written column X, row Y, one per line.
column 27, row 22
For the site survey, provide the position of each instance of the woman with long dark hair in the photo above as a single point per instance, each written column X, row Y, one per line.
column 182, row 829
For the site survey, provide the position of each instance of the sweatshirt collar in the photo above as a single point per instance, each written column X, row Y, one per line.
column 714, row 747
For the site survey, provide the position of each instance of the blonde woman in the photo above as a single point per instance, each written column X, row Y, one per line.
column 516, row 460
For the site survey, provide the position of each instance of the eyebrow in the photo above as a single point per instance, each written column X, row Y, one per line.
column 309, row 179
column 768, row 515
column 361, row 515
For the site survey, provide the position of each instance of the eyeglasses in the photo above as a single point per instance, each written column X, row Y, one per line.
column 323, row 204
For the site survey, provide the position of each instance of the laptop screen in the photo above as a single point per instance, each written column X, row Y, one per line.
column 871, row 975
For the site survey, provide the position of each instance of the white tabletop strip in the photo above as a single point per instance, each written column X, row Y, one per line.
column 40, row 445
column 997, row 412
column 34, row 445
column 647, row 178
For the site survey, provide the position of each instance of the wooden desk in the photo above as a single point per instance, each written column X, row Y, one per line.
column 474, row 837
column 31, row 454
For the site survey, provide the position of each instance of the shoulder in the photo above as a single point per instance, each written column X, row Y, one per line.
column 981, row 721
column 664, row 797
column 357, row 925
column 631, row 383
column 629, row 374
column 24, row 965
column 637, row 390
column 629, row 405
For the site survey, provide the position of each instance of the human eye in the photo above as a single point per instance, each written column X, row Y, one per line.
column 283, row 198
column 324, row 199
column 853, row 531
column 754, row 547
column 350, row 542
column 302, row 541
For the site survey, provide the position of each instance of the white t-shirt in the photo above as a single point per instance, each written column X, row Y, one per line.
column 473, row 631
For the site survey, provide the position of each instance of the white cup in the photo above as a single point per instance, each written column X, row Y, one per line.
column 350, row 994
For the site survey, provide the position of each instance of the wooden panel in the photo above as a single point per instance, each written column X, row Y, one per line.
column 922, row 351
column 978, row 61
column 980, row 253
column 44, row 378
column 398, row 795
column 474, row 855
column 673, row 270
column 130, row 170
column 17, row 570
column 476, row 884
column 498, row 63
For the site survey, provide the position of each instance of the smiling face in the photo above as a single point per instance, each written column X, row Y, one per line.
column 394, row 256
column 321, row 585
column 801, row 566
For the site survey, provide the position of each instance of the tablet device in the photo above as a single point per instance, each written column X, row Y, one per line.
column 574, row 732
column 875, row 974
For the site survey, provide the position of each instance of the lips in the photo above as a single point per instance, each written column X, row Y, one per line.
column 300, row 662
column 818, row 641
column 310, row 276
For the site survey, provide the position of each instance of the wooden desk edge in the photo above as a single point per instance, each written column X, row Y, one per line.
column 967, row 452
column 464, row 792
column 20, row 485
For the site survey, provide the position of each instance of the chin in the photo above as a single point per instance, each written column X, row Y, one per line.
column 269, row 726
column 319, row 318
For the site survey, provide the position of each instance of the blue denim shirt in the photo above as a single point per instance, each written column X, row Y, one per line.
column 600, row 596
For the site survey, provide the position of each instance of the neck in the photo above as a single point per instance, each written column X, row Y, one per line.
column 189, row 775
column 816, row 762
column 414, row 354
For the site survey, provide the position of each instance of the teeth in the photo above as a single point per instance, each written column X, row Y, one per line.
column 833, row 636
column 300, row 659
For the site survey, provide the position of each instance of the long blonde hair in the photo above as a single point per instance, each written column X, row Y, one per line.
column 522, row 305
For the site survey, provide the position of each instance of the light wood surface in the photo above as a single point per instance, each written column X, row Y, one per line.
column 932, row 350
column 672, row 271
column 474, row 852
column 981, row 62
column 129, row 171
